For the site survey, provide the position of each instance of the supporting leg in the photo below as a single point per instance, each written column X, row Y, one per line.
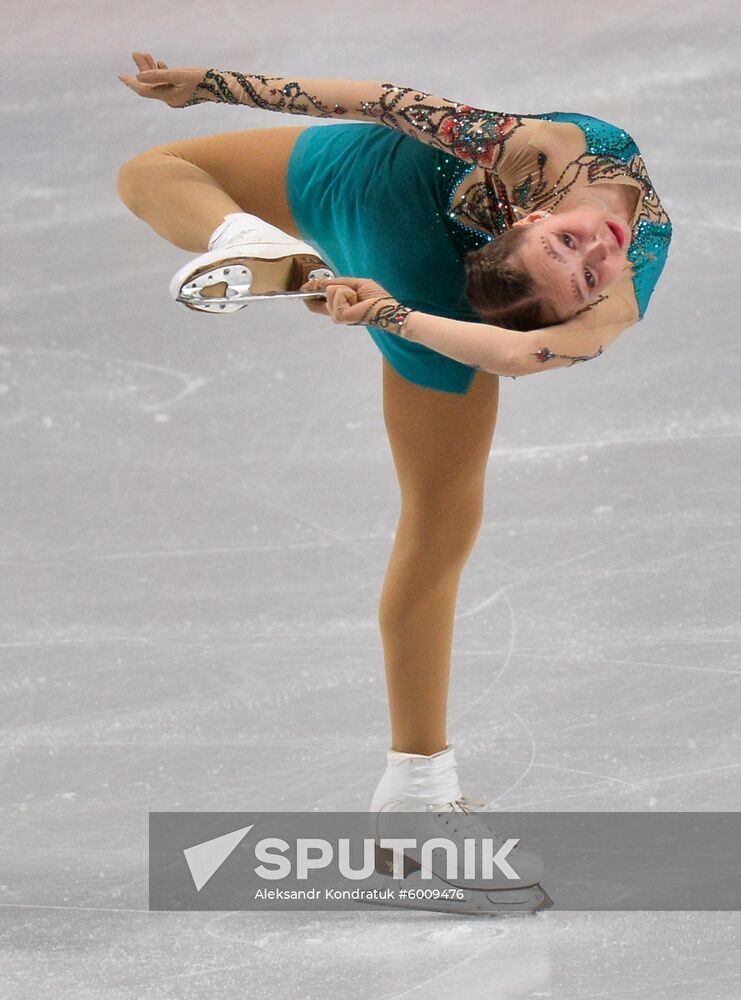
column 440, row 444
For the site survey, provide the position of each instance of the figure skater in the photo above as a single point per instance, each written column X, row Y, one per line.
column 471, row 244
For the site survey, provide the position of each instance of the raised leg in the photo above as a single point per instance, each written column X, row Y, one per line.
column 184, row 189
column 440, row 443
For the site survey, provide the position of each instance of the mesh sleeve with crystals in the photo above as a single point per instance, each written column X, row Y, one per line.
column 530, row 161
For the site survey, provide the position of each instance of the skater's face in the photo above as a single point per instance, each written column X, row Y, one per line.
column 573, row 256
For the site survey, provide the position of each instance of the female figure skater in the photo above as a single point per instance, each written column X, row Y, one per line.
column 471, row 244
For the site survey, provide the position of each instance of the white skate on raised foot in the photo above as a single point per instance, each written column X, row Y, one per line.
column 247, row 260
column 419, row 797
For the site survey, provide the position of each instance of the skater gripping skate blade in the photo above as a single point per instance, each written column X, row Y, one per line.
column 248, row 260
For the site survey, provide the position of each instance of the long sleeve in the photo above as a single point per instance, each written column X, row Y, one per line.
column 471, row 134
column 529, row 162
column 508, row 352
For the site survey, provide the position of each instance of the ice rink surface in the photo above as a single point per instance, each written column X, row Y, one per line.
column 198, row 513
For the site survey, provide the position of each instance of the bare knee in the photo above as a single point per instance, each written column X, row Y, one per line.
column 130, row 180
column 136, row 177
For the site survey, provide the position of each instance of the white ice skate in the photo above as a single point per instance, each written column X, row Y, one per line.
column 247, row 260
column 420, row 796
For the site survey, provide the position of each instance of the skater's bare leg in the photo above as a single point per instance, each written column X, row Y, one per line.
column 440, row 444
column 184, row 189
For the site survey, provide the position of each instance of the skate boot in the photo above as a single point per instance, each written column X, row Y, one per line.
column 419, row 797
column 247, row 260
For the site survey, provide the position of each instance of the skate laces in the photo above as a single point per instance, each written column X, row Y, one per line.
column 467, row 818
column 467, row 804
column 460, row 805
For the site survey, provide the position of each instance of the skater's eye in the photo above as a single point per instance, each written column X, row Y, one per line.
column 589, row 277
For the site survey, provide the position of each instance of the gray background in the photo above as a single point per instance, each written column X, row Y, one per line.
column 198, row 513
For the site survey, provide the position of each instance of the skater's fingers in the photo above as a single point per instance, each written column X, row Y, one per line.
column 335, row 297
column 133, row 84
column 143, row 60
column 318, row 306
column 155, row 76
column 340, row 301
column 353, row 283
column 363, row 287
column 144, row 89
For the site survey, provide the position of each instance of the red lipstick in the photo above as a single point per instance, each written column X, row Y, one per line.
column 618, row 232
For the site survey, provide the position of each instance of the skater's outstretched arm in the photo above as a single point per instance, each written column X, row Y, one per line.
column 360, row 302
column 471, row 134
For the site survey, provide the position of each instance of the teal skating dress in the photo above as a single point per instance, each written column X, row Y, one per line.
column 378, row 204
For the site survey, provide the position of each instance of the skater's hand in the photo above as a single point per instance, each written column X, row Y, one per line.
column 350, row 301
column 176, row 87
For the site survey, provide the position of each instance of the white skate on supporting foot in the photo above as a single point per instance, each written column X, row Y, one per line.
column 399, row 811
column 250, row 261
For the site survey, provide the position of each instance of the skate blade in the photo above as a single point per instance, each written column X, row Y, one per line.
column 252, row 280
column 414, row 892
column 236, row 300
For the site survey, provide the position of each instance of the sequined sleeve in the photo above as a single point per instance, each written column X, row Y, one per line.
column 470, row 134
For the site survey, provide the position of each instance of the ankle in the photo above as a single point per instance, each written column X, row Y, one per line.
column 420, row 748
column 239, row 224
column 412, row 780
